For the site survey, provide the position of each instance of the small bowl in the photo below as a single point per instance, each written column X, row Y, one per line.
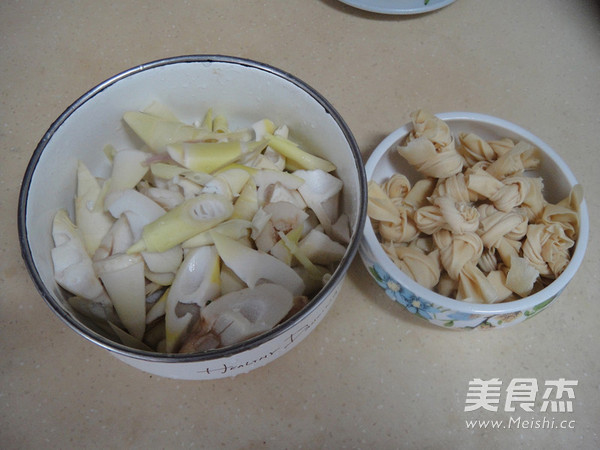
column 444, row 311
column 245, row 91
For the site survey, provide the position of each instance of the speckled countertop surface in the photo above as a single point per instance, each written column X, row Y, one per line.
column 371, row 375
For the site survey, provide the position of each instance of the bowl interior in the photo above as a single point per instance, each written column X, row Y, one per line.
column 558, row 181
column 243, row 91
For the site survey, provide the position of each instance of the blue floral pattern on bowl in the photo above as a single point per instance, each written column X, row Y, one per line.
column 438, row 315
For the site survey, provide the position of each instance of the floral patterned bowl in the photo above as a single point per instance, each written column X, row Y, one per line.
column 444, row 311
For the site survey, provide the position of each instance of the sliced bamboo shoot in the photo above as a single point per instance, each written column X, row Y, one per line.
column 157, row 133
column 297, row 157
column 129, row 167
column 123, row 278
column 92, row 222
column 233, row 228
column 254, row 267
column 239, row 315
column 73, row 269
column 193, row 216
column 197, row 281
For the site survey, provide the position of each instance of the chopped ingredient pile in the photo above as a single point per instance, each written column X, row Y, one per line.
column 203, row 236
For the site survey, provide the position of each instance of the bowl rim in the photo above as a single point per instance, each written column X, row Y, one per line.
column 246, row 345
column 549, row 292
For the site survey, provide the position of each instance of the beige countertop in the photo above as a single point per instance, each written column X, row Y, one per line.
column 371, row 375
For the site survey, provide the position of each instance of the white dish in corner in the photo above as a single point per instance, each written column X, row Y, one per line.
column 398, row 6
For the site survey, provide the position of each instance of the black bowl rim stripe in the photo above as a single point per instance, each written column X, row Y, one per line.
column 337, row 276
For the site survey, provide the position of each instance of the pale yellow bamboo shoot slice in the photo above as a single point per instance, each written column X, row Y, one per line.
column 254, row 267
column 297, row 157
column 129, row 167
column 193, row 216
column 93, row 222
column 123, row 278
column 197, row 281
column 220, row 124
column 73, row 269
column 157, row 133
column 246, row 205
column 205, row 156
column 166, row 171
column 233, row 228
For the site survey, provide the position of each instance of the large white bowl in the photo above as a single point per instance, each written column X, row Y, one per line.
column 445, row 311
column 245, row 91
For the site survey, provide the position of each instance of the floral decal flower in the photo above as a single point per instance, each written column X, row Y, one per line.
column 406, row 298
column 422, row 308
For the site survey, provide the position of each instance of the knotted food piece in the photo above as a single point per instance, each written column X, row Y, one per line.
column 455, row 187
column 417, row 197
column 505, row 194
column 507, row 249
column 380, row 207
column 495, row 225
column 481, row 182
column 523, row 156
column 460, row 217
column 430, row 161
column 555, row 250
column 459, row 255
column 396, row 187
column 532, row 248
column 430, row 147
column 473, row 286
column 511, row 194
column 474, row 149
column 429, row 219
column 547, row 248
column 391, row 216
column 456, row 250
column 566, row 212
column 534, row 202
column 521, row 276
column 424, row 243
column 445, row 213
column 497, row 278
column 403, row 231
column 422, row 267
column 428, row 126
column 488, row 260
column 501, row 146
